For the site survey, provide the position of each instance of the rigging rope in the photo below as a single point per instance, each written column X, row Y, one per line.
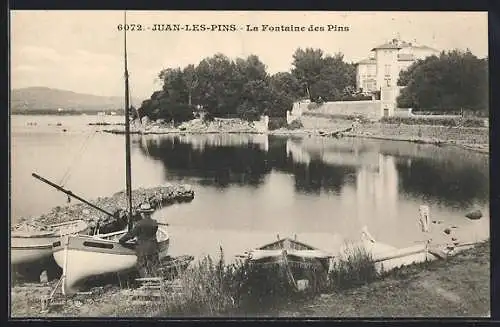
column 78, row 155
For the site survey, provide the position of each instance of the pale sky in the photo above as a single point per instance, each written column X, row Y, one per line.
column 82, row 51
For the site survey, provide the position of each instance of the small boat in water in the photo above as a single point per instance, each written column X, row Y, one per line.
column 82, row 257
column 30, row 249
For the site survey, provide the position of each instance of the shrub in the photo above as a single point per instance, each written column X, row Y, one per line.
column 296, row 124
column 212, row 288
column 356, row 267
column 208, row 288
column 276, row 123
column 472, row 122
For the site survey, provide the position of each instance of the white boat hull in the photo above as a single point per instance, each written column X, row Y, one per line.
column 82, row 257
column 28, row 256
column 25, row 251
column 397, row 258
column 28, row 248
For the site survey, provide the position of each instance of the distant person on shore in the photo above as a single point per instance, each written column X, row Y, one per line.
column 147, row 245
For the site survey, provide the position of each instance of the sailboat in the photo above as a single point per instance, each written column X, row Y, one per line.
column 81, row 257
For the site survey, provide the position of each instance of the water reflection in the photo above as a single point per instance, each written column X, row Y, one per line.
column 219, row 160
column 380, row 172
column 377, row 189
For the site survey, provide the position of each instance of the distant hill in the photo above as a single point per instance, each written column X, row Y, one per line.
column 44, row 98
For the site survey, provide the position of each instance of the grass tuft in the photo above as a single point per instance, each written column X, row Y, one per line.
column 352, row 269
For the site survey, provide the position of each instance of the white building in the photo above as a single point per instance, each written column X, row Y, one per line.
column 382, row 67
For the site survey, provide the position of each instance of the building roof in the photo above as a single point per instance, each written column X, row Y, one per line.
column 397, row 44
column 388, row 45
column 405, row 57
column 405, row 44
column 367, row 61
column 424, row 47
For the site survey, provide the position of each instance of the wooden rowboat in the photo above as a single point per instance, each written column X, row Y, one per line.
column 387, row 257
column 82, row 257
column 30, row 247
column 299, row 260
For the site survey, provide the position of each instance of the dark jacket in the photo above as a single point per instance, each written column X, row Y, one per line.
column 145, row 231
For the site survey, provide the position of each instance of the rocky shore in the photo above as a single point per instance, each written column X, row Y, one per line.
column 470, row 138
column 115, row 204
column 195, row 126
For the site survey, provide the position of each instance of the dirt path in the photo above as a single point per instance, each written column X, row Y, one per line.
column 458, row 287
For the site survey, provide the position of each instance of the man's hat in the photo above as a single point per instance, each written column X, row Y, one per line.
column 146, row 208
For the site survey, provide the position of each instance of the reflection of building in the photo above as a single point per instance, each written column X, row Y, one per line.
column 377, row 191
column 332, row 153
column 297, row 152
column 199, row 142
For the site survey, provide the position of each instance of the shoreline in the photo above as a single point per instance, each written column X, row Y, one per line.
column 455, row 287
column 468, row 138
column 158, row 197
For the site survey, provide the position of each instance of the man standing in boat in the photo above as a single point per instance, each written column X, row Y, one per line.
column 147, row 245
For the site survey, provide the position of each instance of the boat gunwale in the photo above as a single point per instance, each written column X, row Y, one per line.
column 263, row 247
column 36, row 234
column 79, row 240
column 33, row 247
column 79, row 223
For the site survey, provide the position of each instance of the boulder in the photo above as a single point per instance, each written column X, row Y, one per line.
column 474, row 215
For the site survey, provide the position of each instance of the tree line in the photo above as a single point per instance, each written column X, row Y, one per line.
column 243, row 87
column 453, row 81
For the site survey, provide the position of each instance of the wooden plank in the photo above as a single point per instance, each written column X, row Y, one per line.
column 151, row 288
column 146, row 279
column 147, row 295
column 141, row 302
column 30, row 288
column 151, row 285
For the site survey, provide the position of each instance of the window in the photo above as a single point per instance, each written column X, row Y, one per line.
column 388, row 80
column 387, row 70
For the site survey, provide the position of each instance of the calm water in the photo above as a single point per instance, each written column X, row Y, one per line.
column 249, row 188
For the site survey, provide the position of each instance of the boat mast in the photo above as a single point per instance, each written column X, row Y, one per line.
column 128, row 171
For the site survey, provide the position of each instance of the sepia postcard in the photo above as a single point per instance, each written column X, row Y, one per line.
column 249, row 164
